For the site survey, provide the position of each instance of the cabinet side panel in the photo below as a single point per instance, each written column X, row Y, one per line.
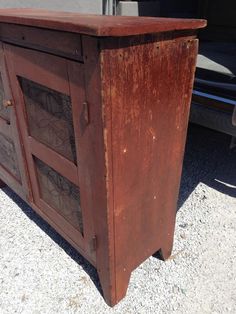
column 149, row 96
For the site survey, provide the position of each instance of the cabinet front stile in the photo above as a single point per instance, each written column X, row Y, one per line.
column 12, row 164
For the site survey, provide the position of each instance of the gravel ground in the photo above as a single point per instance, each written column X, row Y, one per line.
column 41, row 273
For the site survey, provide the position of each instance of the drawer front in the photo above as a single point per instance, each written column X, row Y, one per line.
column 12, row 166
column 8, row 155
column 50, row 99
column 51, row 41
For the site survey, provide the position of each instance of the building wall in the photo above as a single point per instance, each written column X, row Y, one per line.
column 83, row 6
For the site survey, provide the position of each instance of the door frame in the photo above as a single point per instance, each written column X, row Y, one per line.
column 67, row 77
column 9, row 129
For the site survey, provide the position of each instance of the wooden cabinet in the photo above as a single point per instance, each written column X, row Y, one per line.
column 101, row 105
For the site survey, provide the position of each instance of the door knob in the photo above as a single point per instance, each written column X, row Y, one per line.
column 7, row 103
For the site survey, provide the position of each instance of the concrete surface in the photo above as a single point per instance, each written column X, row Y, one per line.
column 41, row 273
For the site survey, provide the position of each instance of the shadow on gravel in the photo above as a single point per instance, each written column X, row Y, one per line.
column 30, row 213
column 208, row 159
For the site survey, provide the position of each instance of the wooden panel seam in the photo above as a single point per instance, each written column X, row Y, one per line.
column 59, row 163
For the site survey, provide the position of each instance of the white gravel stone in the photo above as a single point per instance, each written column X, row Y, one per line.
column 42, row 273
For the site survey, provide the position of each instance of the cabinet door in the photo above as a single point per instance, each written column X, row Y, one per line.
column 12, row 170
column 50, row 105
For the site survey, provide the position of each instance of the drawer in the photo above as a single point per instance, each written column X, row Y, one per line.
column 59, row 43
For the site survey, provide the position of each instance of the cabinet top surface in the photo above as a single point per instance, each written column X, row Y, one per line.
column 96, row 25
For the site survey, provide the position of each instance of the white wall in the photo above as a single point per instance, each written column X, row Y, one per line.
column 138, row 8
column 83, row 6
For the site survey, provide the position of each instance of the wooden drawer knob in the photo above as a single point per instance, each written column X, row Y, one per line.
column 7, row 103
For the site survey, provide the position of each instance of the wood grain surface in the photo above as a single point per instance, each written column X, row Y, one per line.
column 13, row 170
column 102, row 134
column 147, row 93
column 97, row 25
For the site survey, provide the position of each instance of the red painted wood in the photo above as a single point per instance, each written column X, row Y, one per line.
column 43, row 40
column 60, row 228
column 128, row 102
column 2, row 184
column 8, row 130
column 146, row 116
column 62, row 165
column 52, row 72
column 97, row 25
column 88, row 137
column 97, row 162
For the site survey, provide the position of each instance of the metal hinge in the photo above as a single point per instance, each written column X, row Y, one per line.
column 86, row 112
column 84, row 117
column 7, row 103
column 93, row 244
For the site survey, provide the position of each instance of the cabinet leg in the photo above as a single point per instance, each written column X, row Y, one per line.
column 166, row 248
column 165, row 253
column 2, row 184
column 122, row 284
column 113, row 291
column 167, row 237
column 167, row 244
